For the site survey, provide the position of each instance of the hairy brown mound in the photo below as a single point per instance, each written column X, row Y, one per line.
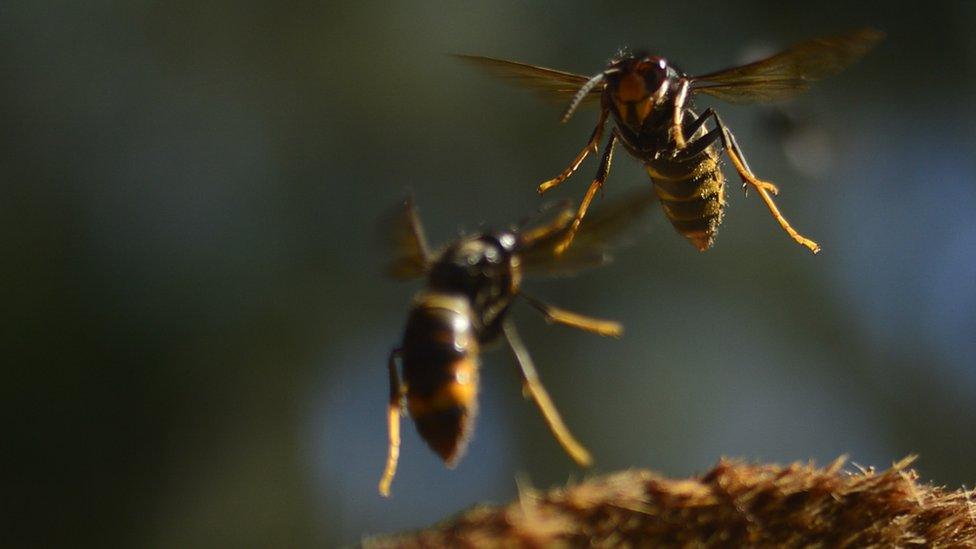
column 735, row 504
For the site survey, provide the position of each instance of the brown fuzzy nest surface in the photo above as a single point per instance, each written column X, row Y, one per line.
column 735, row 504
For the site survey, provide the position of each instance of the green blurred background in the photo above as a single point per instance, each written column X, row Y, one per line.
column 197, row 321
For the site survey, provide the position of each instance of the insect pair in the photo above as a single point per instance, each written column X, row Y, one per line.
column 472, row 283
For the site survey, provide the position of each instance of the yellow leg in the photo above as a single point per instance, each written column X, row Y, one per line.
column 591, row 146
column 764, row 188
column 533, row 385
column 393, row 423
column 596, row 185
column 677, row 133
column 606, row 328
column 580, row 214
column 749, row 178
column 800, row 239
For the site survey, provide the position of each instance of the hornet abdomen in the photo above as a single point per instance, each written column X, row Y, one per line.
column 440, row 371
column 692, row 194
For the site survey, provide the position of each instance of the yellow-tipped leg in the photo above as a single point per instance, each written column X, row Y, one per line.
column 606, row 328
column 580, row 214
column 393, row 424
column 531, row 383
column 764, row 188
column 393, row 421
column 550, row 184
column 576, row 451
column 601, row 176
column 591, row 146
column 677, row 133
column 800, row 239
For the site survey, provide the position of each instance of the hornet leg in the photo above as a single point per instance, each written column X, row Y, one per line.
column 676, row 119
column 575, row 320
column 393, row 422
column 698, row 122
column 531, row 383
column 591, row 146
column 601, row 176
column 764, row 188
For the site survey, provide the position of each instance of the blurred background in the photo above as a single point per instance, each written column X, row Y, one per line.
column 198, row 323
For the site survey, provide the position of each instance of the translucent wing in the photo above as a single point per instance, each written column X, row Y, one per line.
column 405, row 238
column 607, row 228
column 553, row 85
column 789, row 72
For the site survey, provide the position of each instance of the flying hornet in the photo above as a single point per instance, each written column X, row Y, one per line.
column 471, row 285
column 650, row 100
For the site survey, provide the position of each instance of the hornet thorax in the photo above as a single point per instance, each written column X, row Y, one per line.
column 483, row 269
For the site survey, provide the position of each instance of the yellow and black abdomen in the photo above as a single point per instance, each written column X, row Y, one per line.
column 440, row 370
column 692, row 194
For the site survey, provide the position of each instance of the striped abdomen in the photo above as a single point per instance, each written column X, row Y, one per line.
column 440, row 370
column 692, row 193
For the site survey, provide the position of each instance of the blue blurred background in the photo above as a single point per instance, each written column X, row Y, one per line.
column 198, row 325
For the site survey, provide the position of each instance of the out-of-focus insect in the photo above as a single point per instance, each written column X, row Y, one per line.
column 471, row 285
column 650, row 101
